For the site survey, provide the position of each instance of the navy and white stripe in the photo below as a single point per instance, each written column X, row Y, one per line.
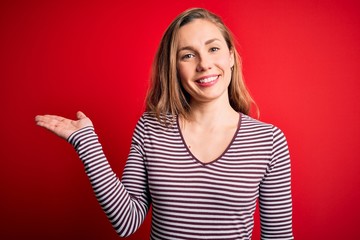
column 190, row 199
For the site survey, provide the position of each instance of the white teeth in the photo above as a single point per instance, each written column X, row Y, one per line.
column 209, row 79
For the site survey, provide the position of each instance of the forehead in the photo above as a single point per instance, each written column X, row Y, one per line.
column 198, row 31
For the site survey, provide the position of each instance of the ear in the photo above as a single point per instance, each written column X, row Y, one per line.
column 232, row 58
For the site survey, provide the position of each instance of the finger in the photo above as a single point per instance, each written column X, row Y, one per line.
column 38, row 118
column 80, row 115
column 55, row 117
column 45, row 124
column 42, row 118
column 47, row 118
column 57, row 129
column 50, row 121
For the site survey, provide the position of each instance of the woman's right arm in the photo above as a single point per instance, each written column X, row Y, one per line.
column 125, row 202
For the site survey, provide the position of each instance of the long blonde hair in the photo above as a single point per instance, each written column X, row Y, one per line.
column 166, row 94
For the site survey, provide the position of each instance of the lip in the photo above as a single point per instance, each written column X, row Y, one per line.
column 208, row 80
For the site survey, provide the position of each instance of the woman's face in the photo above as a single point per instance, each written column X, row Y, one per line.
column 204, row 61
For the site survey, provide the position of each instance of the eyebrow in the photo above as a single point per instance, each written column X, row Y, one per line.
column 206, row 43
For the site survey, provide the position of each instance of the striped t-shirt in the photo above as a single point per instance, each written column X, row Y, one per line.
column 191, row 199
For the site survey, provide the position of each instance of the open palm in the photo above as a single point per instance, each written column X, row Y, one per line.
column 61, row 126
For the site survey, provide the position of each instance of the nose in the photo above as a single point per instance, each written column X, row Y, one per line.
column 203, row 64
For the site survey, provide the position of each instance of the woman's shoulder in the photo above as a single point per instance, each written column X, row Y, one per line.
column 251, row 127
column 248, row 122
column 158, row 119
column 150, row 119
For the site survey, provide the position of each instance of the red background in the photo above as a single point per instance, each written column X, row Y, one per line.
column 301, row 63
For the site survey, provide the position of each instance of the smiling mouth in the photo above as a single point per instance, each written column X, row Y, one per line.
column 207, row 80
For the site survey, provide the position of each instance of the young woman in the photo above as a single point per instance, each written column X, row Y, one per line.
column 196, row 155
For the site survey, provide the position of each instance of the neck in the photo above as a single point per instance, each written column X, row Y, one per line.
column 211, row 114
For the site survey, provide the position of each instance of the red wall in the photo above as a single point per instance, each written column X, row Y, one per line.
column 301, row 62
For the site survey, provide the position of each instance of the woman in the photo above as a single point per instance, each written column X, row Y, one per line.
column 195, row 155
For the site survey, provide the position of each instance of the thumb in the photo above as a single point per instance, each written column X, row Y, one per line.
column 80, row 115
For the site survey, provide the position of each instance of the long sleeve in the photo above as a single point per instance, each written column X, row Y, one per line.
column 275, row 192
column 125, row 202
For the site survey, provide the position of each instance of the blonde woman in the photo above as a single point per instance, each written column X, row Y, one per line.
column 196, row 155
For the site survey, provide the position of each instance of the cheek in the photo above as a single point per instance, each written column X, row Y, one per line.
column 183, row 72
column 225, row 61
column 225, row 65
column 180, row 74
